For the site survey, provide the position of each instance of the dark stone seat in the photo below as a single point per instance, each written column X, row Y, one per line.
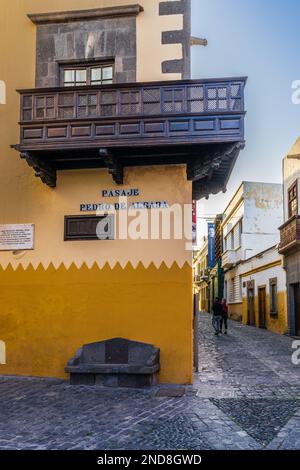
column 116, row 362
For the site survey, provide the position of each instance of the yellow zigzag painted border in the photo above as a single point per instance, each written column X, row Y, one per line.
column 84, row 266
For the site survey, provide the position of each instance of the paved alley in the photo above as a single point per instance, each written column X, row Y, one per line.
column 246, row 396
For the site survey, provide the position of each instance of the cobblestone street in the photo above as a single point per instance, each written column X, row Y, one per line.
column 246, row 396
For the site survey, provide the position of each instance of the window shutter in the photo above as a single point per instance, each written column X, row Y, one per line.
column 89, row 227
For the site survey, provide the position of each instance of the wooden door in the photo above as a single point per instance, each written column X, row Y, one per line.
column 297, row 308
column 262, row 306
column 251, row 307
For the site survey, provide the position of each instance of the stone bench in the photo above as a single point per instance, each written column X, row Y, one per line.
column 116, row 362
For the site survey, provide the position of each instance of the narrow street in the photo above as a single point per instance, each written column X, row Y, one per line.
column 246, row 396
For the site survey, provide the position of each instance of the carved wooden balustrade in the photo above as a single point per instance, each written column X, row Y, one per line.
column 132, row 124
column 290, row 235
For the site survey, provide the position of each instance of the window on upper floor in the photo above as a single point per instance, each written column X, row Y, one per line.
column 232, row 240
column 231, row 295
column 240, row 231
column 293, row 199
column 86, row 74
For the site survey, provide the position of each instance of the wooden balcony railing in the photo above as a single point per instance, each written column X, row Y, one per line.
column 119, row 114
column 290, row 235
column 199, row 123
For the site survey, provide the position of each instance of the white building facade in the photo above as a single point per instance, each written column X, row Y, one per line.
column 264, row 291
column 250, row 226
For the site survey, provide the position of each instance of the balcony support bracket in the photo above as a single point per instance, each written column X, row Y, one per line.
column 41, row 169
column 201, row 170
column 113, row 165
column 174, row 122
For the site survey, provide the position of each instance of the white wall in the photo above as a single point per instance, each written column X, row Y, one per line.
column 263, row 277
column 261, row 209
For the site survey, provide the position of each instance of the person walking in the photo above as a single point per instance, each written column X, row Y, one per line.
column 224, row 319
column 217, row 316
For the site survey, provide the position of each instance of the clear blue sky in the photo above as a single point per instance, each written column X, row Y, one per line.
column 259, row 39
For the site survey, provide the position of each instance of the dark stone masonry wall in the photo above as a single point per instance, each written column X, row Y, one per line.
column 292, row 266
column 104, row 39
column 107, row 39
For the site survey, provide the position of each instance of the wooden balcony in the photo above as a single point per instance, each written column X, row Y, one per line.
column 197, row 122
column 290, row 236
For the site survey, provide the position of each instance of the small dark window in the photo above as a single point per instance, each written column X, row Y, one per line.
column 293, row 199
column 273, row 297
column 89, row 74
column 89, row 227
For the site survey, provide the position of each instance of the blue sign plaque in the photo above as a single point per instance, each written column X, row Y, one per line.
column 211, row 245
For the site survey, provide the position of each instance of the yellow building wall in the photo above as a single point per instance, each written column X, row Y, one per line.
column 203, row 303
column 235, row 311
column 276, row 324
column 260, row 271
column 62, row 294
column 27, row 200
column 20, row 55
column 47, row 314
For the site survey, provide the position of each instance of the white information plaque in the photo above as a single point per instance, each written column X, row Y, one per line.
column 16, row 237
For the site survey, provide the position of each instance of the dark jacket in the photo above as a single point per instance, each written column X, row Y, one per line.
column 217, row 309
